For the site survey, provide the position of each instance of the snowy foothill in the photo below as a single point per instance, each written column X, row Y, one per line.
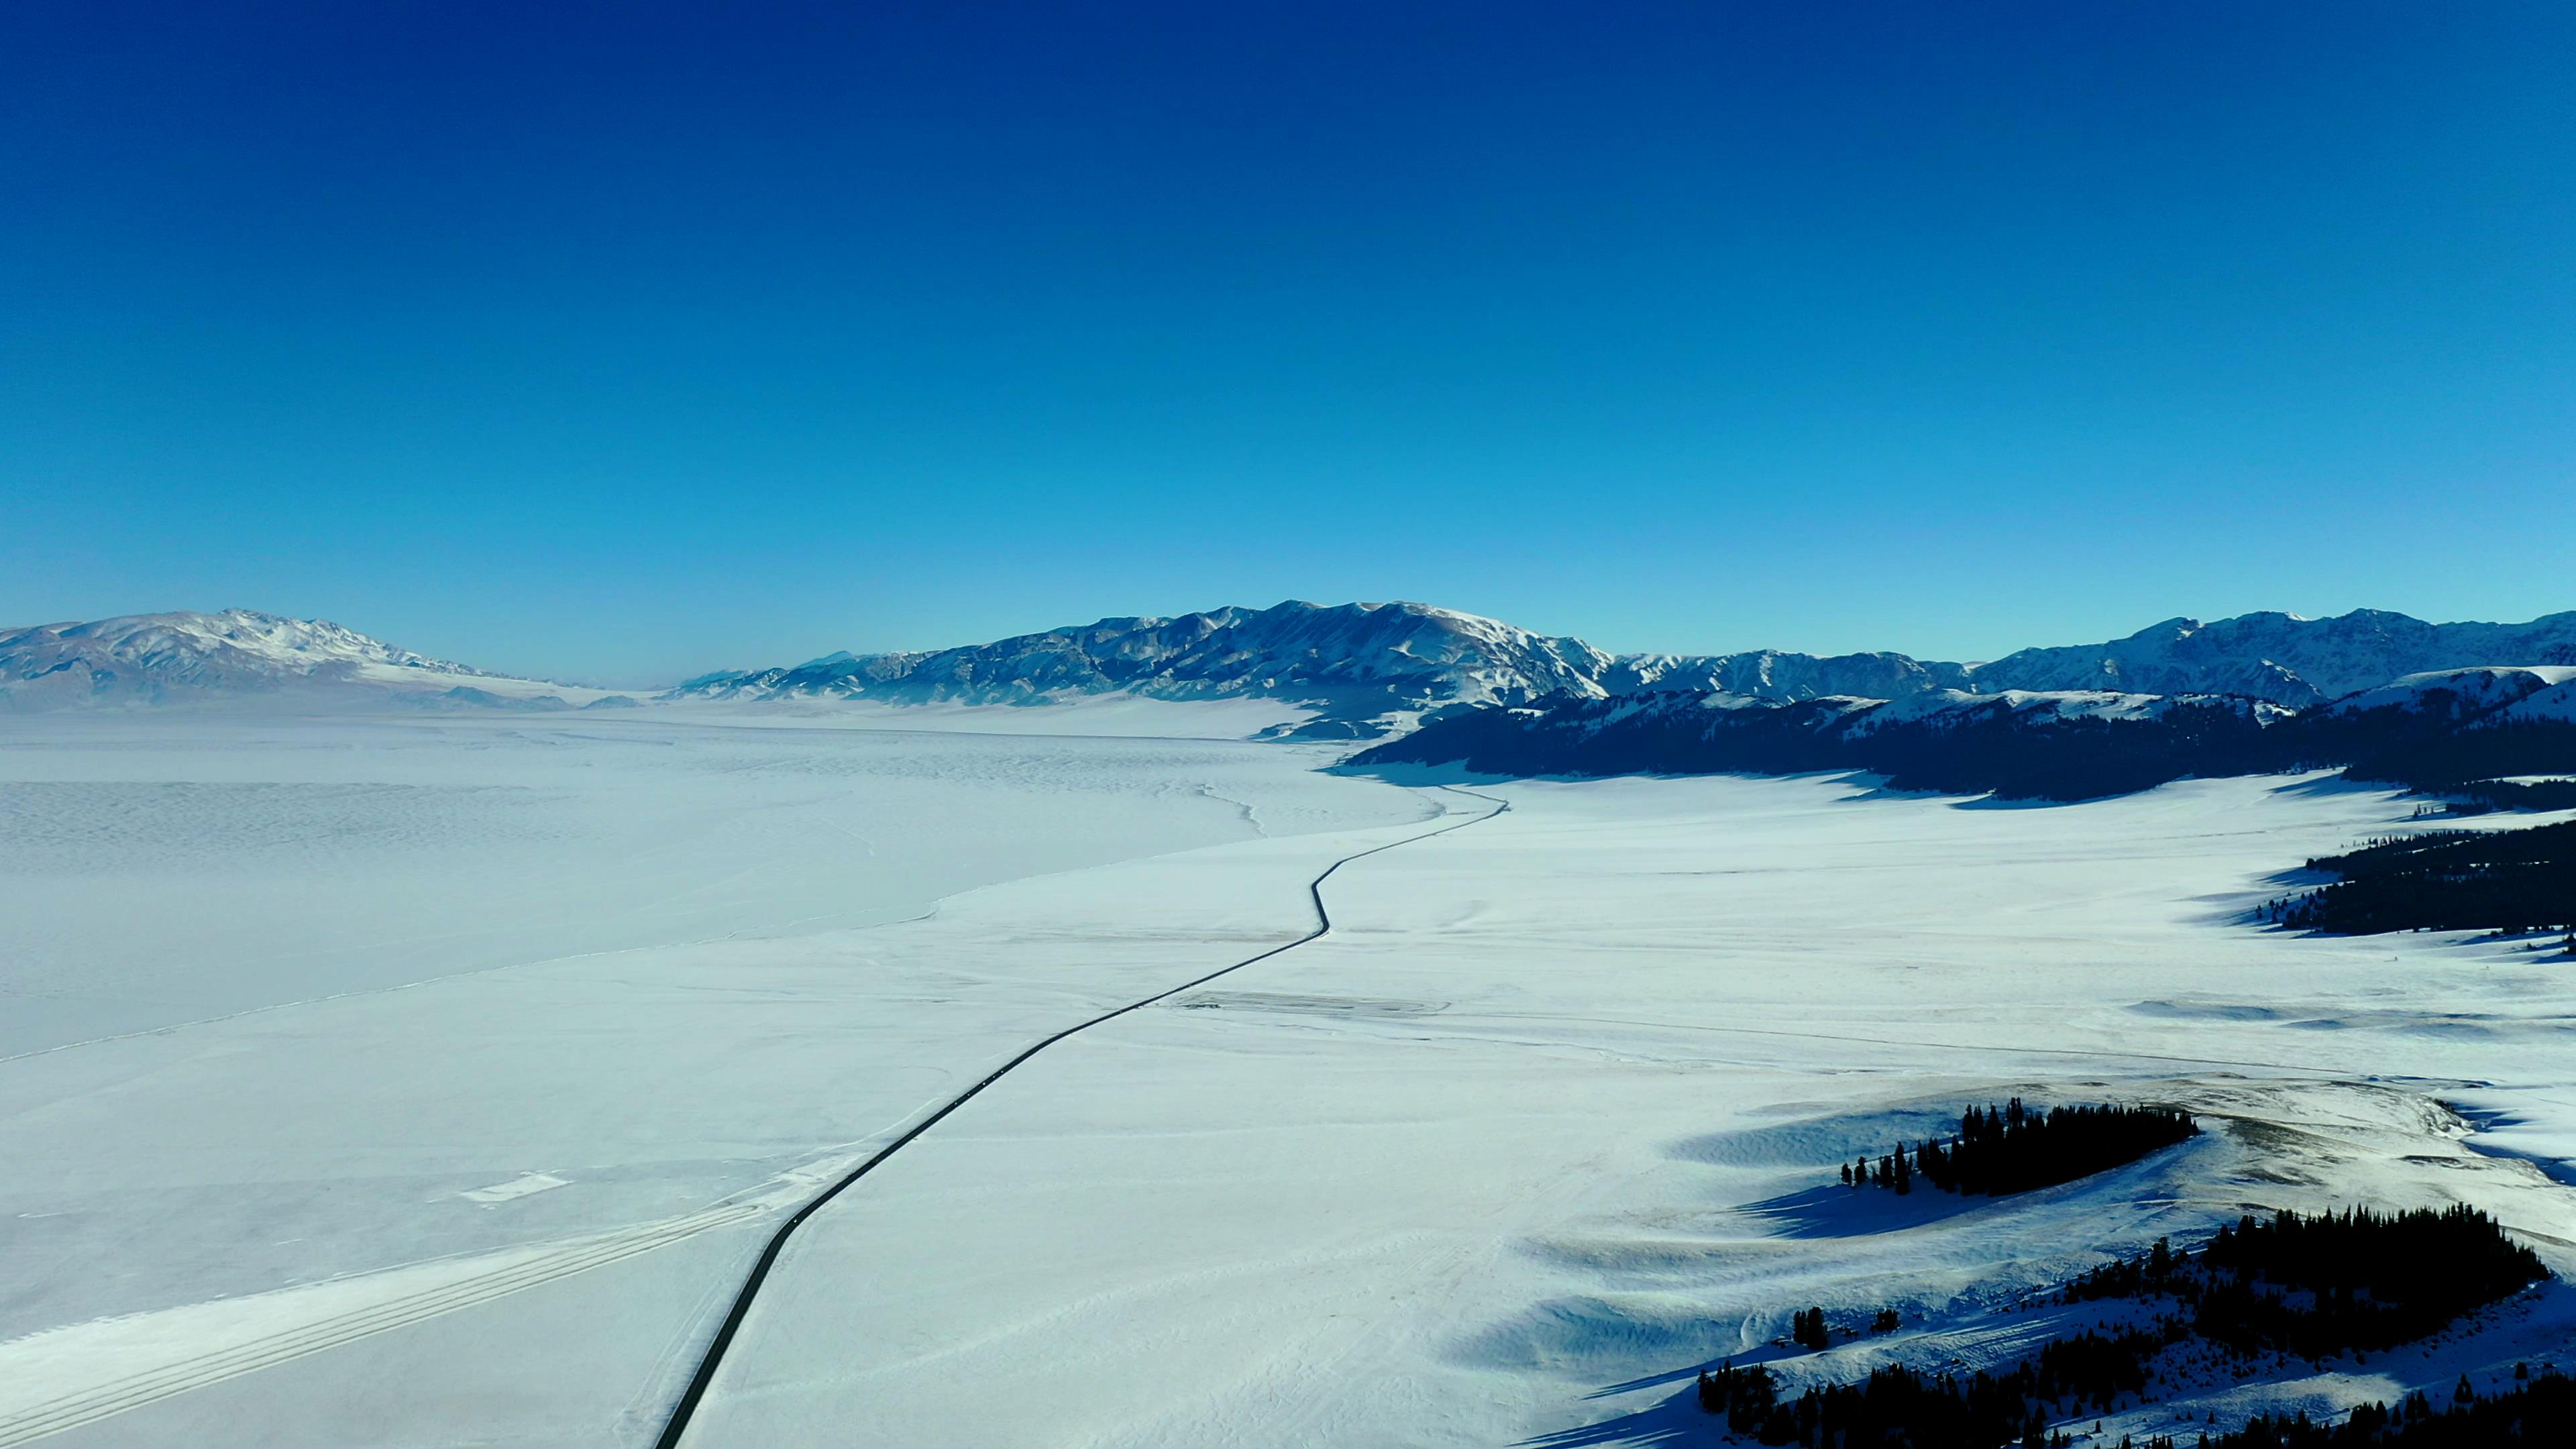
column 2474, row 690
column 436, row 1080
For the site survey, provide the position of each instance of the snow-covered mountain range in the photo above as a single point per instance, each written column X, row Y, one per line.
column 2281, row 657
column 1367, row 667
column 242, row 655
column 1359, row 669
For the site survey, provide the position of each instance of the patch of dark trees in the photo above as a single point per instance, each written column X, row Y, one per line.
column 2311, row 1286
column 2482, row 796
column 2438, row 746
column 2537, row 1410
column 1807, row 1329
column 2328, row 1284
column 1899, row 1405
column 2454, row 880
column 2016, row 1150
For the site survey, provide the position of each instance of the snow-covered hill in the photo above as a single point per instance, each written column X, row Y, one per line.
column 2463, row 693
column 241, row 654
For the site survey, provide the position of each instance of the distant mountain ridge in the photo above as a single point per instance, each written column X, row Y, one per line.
column 1369, row 667
column 242, row 654
column 1360, row 669
column 2281, row 657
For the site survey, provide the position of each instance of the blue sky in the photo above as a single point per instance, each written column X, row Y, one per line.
column 624, row 341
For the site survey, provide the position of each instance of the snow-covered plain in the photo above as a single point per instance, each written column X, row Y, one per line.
column 165, row 867
column 1537, row 1132
column 302, row 1001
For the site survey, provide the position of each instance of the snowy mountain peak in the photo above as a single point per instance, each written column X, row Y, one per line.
column 301, row 645
column 1362, row 667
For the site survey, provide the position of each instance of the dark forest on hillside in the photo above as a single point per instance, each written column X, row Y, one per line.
column 2456, row 880
column 2016, row 755
column 2540, row 1410
column 2307, row 1286
column 2363, row 1280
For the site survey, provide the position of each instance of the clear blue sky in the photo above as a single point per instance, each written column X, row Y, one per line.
column 625, row 341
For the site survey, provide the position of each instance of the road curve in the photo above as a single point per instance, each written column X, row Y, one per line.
column 683, row 1412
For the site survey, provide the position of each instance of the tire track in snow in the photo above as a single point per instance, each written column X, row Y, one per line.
column 713, row 1360
column 116, row 1396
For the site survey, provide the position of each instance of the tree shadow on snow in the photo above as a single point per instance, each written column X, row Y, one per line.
column 1836, row 1211
column 1676, row 1420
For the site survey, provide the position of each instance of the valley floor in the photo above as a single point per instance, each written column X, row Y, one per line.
column 1534, row 1135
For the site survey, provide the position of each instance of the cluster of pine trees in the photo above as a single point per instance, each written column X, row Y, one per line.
column 2366, row 1280
column 2452, row 880
column 1899, row 1405
column 1807, row 1329
column 1895, row 1171
column 2150, row 1272
column 2514, row 794
column 2375, row 1280
column 2015, row 1149
column 2539, row 1410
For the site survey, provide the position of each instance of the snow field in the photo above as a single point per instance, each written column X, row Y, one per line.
column 161, row 869
column 197, row 1199
column 1546, row 1124
column 1535, row 1133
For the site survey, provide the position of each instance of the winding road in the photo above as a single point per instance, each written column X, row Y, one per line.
column 712, row 1362
column 257, row 1334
